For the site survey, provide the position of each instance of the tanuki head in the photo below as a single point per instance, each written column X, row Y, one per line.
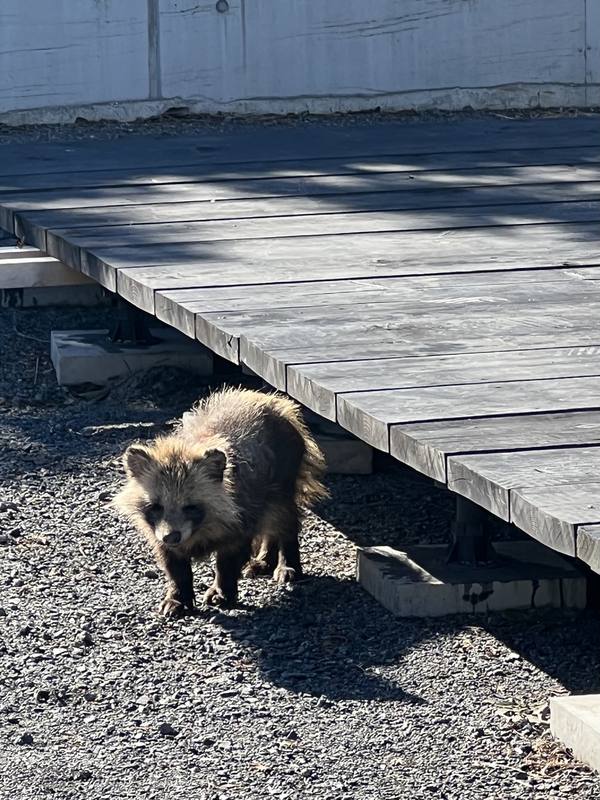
column 177, row 494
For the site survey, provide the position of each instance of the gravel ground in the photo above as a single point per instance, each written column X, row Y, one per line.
column 178, row 123
column 302, row 692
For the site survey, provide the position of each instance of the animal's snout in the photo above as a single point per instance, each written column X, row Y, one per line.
column 173, row 537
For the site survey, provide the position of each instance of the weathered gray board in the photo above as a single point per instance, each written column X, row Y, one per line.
column 369, row 414
column 427, row 446
column 588, row 545
column 410, row 328
column 490, row 479
column 455, row 348
column 553, row 514
column 319, row 385
column 334, row 177
column 268, row 145
column 139, row 271
column 67, row 244
column 32, row 227
column 482, row 336
column 179, row 308
column 63, row 189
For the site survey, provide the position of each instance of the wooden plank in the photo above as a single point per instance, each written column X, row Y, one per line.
column 66, row 244
column 489, row 479
column 157, row 175
column 427, row 446
column 272, row 362
column 552, row 514
column 281, row 142
column 405, row 324
column 397, row 177
column 32, row 225
column 587, row 545
column 179, row 308
column 269, row 353
column 335, row 257
column 369, row 414
column 318, row 385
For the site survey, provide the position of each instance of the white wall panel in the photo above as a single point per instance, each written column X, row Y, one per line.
column 68, row 52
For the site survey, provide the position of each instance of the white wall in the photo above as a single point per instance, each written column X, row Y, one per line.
column 55, row 52
column 295, row 55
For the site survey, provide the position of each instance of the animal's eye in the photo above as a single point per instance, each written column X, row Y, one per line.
column 153, row 512
column 194, row 512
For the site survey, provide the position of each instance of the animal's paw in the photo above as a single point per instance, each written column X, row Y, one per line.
column 257, row 567
column 214, row 596
column 285, row 575
column 173, row 608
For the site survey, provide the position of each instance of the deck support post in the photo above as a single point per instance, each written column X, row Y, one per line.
column 131, row 326
column 471, row 542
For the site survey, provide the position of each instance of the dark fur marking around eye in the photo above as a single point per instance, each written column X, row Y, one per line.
column 195, row 513
column 153, row 512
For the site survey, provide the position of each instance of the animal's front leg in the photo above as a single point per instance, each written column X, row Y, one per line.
column 179, row 598
column 229, row 563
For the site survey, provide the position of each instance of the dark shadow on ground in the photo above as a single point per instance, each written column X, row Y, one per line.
column 307, row 642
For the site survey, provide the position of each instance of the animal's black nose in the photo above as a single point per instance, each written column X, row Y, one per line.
column 173, row 537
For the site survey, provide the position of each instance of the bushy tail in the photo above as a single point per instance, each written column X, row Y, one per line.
column 309, row 485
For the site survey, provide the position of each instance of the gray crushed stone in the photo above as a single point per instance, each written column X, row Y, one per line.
column 179, row 123
column 312, row 691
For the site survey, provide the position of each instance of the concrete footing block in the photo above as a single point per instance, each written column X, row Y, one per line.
column 90, row 357
column 42, row 296
column 344, row 453
column 417, row 581
column 575, row 721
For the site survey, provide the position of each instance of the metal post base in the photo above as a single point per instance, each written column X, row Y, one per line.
column 131, row 327
column 471, row 543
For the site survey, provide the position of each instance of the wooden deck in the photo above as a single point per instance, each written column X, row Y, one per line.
column 434, row 288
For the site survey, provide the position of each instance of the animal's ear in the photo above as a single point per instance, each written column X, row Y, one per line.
column 137, row 460
column 213, row 463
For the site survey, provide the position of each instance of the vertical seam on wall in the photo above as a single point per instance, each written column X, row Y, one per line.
column 243, row 20
column 154, row 77
column 585, row 51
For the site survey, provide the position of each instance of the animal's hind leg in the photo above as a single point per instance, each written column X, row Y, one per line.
column 288, row 567
column 264, row 557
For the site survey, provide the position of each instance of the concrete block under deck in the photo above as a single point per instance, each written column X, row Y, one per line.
column 417, row 581
column 90, row 357
column 575, row 721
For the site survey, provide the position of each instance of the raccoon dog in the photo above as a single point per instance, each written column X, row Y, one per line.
column 231, row 480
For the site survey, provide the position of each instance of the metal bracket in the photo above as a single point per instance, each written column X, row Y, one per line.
column 471, row 543
column 131, row 327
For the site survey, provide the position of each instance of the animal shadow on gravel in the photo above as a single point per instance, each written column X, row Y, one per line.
column 326, row 638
